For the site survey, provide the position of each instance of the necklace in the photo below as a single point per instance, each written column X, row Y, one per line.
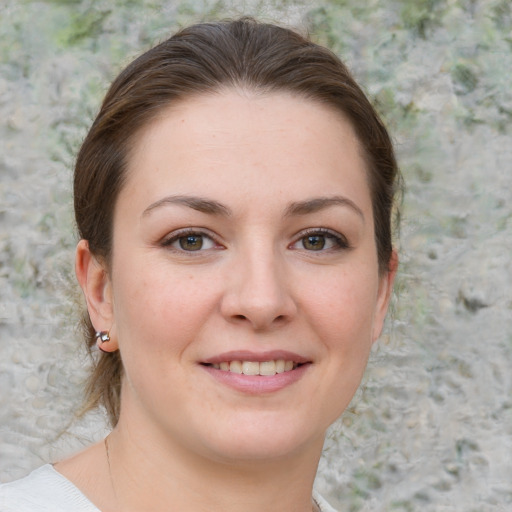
column 316, row 506
column 110, row 470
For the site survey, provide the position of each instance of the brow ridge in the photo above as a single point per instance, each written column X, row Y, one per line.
column 200, row 204
column 320, row 203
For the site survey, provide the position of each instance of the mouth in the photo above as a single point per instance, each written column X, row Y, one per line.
column 257, row 373
column 262, row 368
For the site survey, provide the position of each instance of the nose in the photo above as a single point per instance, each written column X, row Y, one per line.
column 258, row 291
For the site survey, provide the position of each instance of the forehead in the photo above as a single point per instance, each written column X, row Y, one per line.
column 248, row 142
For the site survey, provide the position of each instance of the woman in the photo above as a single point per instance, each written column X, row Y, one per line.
column 234, row 200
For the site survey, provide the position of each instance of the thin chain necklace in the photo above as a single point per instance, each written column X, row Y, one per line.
column 316, row 506
column 110, row 470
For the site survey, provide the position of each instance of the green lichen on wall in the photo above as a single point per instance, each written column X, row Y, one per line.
column 428, row 428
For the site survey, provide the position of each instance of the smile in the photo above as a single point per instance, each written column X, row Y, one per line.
column 263, row 368
column 257, row 373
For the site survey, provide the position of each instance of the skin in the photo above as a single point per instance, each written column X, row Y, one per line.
column 274, row 169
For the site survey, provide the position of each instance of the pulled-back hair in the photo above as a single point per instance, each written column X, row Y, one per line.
column 205, row 58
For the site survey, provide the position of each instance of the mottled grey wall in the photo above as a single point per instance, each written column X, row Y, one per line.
column 431, row 427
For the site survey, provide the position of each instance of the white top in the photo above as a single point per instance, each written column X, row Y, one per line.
column 46, row 490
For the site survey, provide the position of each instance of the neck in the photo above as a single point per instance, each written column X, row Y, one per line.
column 154, row 474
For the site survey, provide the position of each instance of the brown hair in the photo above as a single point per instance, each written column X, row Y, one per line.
column 199, row 59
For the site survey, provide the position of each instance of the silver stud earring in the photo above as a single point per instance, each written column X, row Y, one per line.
column 103, row 337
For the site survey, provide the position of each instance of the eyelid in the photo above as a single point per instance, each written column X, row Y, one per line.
column 172, row 237
column 341, row 241
column 167, row 241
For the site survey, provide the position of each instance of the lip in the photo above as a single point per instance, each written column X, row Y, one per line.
column 257, row 357
column 257, row 384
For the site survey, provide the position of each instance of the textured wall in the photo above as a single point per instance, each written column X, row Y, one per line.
column 431, row 428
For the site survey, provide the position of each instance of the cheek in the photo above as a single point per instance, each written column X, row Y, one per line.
column 158, row 306
column 342, row 314
column 343, row 320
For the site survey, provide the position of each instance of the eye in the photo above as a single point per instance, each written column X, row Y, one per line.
column 190, row 241
column 314, row 242
column 320, row 240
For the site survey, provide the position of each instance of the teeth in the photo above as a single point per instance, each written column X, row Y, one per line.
column 235, row 367
column 250, row 368
column 280, row 364
column 266, row 368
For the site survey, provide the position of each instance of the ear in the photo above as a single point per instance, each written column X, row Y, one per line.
column 93, row 277
column 386, row 281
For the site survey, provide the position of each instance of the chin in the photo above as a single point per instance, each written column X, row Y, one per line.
column 263, row 438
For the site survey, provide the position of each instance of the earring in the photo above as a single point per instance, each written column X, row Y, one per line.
column 103, row 337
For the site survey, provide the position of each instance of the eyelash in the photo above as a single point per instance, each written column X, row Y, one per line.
column 340, row 242
column 189, row 232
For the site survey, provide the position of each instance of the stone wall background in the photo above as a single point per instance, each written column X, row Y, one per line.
column 431, row 427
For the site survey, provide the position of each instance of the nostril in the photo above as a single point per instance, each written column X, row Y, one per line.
column 280, row 318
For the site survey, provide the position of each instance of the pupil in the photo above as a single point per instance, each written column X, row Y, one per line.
column 314, row 242
column 191, row 242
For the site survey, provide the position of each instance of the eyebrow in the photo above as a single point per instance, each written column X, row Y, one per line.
column 196, row 203
column 321, row 203
column 212, row 207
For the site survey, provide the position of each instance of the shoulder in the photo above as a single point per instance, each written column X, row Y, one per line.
column 322, row 503
column 44, row 490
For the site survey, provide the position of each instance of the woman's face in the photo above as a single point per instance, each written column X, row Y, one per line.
column 244, row 282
